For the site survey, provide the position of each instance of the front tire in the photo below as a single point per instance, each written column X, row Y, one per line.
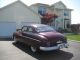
column 15, row 39
column 33, row 49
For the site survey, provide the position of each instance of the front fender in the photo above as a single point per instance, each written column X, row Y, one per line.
column 43, row 40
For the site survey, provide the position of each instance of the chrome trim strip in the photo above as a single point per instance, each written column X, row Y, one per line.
column 53, row 48
column 32, row 38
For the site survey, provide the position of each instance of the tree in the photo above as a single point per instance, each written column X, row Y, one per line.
column 48, row 18
column 74, row 29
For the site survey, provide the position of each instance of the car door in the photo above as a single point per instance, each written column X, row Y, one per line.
column 24, row 31
column 28, row 35
column 19, row 34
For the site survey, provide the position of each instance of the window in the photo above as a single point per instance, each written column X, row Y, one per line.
column 42, row 10
column 30, row 29
column 25, row 28
column 66, row 13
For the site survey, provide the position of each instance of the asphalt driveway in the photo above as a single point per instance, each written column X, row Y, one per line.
column 12, row 51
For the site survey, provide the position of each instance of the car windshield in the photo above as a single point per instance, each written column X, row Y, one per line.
column 44, row 29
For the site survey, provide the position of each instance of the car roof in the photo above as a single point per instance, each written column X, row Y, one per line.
column 36, row 25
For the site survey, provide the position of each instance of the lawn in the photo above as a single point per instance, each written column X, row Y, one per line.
column 74, row 37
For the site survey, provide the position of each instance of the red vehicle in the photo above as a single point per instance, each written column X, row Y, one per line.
column 42, row 37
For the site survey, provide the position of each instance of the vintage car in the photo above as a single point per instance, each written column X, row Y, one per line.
column 40, row 36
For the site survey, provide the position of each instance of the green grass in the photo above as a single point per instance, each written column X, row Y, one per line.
column 74, row 37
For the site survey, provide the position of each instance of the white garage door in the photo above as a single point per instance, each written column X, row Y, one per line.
column 7, row 28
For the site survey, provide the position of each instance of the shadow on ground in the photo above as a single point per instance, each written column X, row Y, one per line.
column 53, row 55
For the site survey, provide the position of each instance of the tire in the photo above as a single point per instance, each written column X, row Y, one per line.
column 33, row 49
column 15, row 39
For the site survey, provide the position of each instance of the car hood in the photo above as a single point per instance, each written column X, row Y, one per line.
column 52, row 36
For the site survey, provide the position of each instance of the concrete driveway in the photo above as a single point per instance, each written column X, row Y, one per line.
column 12, row 51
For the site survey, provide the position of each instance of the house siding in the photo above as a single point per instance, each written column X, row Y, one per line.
column 18, row 12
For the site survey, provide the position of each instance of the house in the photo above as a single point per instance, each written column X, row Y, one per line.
column 15, row 15
column 63, row 19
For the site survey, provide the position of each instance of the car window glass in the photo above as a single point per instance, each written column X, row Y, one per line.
column 25, row 29
column 30, row 29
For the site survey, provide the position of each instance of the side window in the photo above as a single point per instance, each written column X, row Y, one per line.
column 30, row 29
column 25, row 28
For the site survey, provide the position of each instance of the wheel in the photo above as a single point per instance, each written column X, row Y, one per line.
column 15, row 39
column 33, row 49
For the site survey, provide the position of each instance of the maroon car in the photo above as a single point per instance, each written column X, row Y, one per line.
column 39, row 36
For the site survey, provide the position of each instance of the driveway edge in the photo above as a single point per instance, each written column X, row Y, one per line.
column 73, row 40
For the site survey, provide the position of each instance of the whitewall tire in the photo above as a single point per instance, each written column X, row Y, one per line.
column 15, row 39
column 33, row 49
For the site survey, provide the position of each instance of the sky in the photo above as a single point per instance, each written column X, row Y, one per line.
column 72, row 4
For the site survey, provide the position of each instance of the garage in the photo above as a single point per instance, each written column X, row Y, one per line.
column 7, row 29
column 13, row 16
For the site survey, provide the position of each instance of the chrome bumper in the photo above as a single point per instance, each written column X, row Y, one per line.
column 59, row 46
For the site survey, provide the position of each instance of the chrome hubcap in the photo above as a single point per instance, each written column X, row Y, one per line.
column 33, row 49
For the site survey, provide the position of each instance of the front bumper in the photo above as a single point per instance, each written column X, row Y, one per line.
column 59, row 46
